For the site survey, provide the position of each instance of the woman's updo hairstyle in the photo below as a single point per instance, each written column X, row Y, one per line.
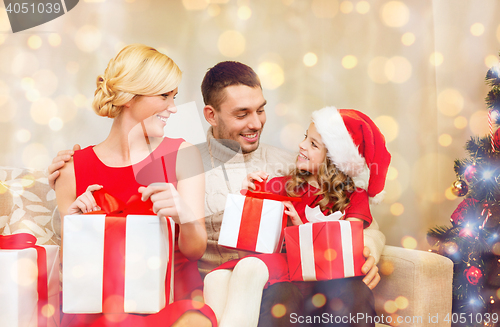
column 136, row 70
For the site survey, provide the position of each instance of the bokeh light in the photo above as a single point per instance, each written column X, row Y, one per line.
column 495, row 249
column 88, row 38
column 363, row 7
column 271, row 75
column 318, row 300
column 349, row 62
column 395, row 14
column 330, row 254
column 393, row 191
column 408, row 39
column 448, row 194
column 388, row 126
column 450, row 247
column 392, row 173
column 291, row 135
column 45, row 81
column 477, row 29
column 244, row 12
column 48, row 310
column 398, row 69
column 278, row 310
column 24, row 273
column 81, row 101
column 54, row 39
column 436, row 59
column 491, row 60
column 397, row 209
column 460, row 122
column 23, row 135
column 445, row 139
column 346, row 7
column 376, row 70
column 390, row 306
column 72, row 67
column 231, row 43
column 24, row 64
column 56, row 124
column 281, row 109
column 478, row 122
column 213, row 10
column 34, row 42
column 43, row 110
column 386, row 268
column 195, row 4
column 66, row 108
column 409, row 242
column 325, row 8
column 4, row 92
column 7, row 110
column 450, row 102
column 310, row 59
column 401, row 302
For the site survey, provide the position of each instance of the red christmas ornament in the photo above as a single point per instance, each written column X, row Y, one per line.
column 473, row 274
column 459, row 188
column 496, row 139
column 469, row 173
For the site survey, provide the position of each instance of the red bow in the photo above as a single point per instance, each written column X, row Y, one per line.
column 261, row 193
column 25, row 241
column 114, row 243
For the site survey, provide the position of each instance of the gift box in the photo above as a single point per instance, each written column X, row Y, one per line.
column 118, row 260
column 254, row 221
column 325, row 250
column 29, row 282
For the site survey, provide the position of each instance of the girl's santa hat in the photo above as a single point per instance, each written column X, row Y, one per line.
column 356, row 146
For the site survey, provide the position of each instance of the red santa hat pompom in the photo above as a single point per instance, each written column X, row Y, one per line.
column 356, row 146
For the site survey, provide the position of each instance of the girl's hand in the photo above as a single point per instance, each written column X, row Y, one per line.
column 292, row 213
column 85, row 202
column 166, row 201
column 248, row 183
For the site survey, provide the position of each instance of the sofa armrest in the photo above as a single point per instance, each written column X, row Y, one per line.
column 415, row 285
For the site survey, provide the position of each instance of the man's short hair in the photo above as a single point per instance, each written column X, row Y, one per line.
column 225, row 74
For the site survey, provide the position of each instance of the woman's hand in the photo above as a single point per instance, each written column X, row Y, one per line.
column 292, row 213
column 248, row 183
column 85, row 202
column 167, row 202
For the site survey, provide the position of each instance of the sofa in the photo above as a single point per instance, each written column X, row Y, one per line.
column 415, row 286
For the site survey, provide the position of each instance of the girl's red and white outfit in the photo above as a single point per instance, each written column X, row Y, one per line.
column 122, row 183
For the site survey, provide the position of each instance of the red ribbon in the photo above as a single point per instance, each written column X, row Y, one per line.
column 113, row 288
column 252, row 214
column 260, row 193
column 25, row 241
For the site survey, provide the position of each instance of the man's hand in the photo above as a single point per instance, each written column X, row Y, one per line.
column 58, row 162
column 370, row 270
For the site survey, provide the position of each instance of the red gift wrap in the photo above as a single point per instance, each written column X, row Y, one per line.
column 325, row 250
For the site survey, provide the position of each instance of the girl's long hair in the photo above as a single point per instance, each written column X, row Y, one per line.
column 334, row 185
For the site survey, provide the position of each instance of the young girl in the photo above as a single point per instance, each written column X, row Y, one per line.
column 342, row 162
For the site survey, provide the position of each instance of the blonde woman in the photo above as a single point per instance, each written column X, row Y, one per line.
column 137, row 90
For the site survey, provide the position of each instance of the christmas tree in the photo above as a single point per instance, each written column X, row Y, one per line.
column 473, row 240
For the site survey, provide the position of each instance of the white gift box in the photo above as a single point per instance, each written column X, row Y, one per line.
column 252, row 224
column 19, row 288
column 149, row 253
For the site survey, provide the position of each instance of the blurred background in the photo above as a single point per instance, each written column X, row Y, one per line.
column 416, row 67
